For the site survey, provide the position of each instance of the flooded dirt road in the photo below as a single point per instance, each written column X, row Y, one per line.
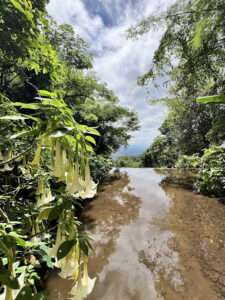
column 155, row 241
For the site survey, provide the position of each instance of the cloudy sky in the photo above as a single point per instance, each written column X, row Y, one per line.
column 117, row 60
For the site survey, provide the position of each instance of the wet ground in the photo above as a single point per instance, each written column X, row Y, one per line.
column 155, row 241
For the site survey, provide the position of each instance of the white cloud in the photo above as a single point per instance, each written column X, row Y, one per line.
column 119, row 61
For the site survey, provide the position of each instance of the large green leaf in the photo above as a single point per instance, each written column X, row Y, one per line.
column 32, row 106
column 3, row 247
column 47, row 94
column 85, row 244
column 19, row 240
column 91, row 130
column 14, row 118
column 216, row 99
column 19, row 118
column 90, row 139
column 65, row 248
column 26, row 293
column 7, row 279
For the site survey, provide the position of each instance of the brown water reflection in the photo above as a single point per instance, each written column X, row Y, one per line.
column 126, row 235
column 138, row 242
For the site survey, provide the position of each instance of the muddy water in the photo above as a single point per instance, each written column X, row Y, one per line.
column 155, row 241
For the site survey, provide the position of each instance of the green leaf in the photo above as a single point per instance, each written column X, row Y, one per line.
column 48, row 261
column 19, row 7
column 19, row 240
column 26, row 293
column 20, row 134
column 199, row 34
column 55, row 212
column 84, row 246
column 65, row 248
column 32, row 106
column 3, row 247
column 13, row 118
column 44, row 214
column 89, row 148
column 47, row 94
column 90, row 130
column 90, row 139
column 40, row 296
column 9, row 241
column 19, row 118
column 216, row 99
column 7, row 279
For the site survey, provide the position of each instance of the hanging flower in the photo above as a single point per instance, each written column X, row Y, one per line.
column 37, row 156
column 84, row 286
column 58, row 162
column 69, row 265
column 60, row 238
column 73, row 184
column 44, row 194
column 89, row 186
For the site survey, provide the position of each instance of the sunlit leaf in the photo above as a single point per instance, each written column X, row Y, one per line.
column 216, row 99
column 90, row 139
column 20, row 134
column 32, row 106
column 47, row 94
column 14, row 118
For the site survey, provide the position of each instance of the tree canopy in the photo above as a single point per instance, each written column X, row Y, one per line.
column 191, row 57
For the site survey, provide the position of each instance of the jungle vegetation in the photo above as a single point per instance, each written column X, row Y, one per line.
column 191, row 59
column 59, row 127
column 128, row 162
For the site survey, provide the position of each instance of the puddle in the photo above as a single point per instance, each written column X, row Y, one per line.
column 154, row 241
column 138, row 242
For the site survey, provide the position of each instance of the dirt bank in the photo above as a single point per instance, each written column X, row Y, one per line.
column 199, row 237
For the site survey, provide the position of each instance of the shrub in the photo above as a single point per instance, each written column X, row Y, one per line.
column 100, row 166
column 160, row 154
column 211, row 177
column 128, row 162
column 188, row 162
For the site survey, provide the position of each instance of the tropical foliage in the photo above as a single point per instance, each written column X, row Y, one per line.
column 188, row 162
column 128, row 162
column 211, row 176
column 56, row 122
column 191, row 58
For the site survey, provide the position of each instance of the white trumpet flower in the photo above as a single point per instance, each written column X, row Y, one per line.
column 90, row 187
column 59, row 240
column 73, row 180
column 37, row 156
column 44, row 194
column 84, row 286
column 58, row 162
column 1, row 155
column 69, row 265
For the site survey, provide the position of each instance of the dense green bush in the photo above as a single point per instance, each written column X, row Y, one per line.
column 100, row 166
column 160, row 154
column 188, row 162
column 211, row 179
column 128, row 162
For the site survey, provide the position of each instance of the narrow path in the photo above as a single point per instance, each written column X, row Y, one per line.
column 155, row 241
